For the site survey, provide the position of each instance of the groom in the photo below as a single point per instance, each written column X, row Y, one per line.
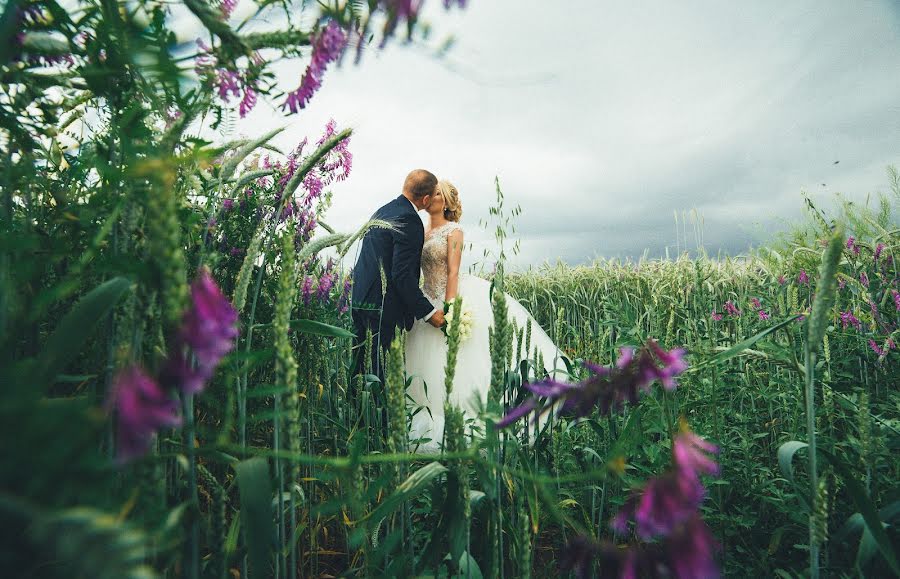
column 398, row 254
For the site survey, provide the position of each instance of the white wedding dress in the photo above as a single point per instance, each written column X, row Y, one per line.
column 426, row 347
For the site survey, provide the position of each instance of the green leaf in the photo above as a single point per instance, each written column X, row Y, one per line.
column 256, row 513
column 786, row 457
column 468, row 567
column 73, row 331
column 413, row 485
column 741, row 346
column 321, row 329
column 866, row 509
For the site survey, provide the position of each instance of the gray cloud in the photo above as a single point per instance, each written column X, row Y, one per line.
column 603, row 119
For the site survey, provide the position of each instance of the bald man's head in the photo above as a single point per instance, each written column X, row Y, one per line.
column 419, row 184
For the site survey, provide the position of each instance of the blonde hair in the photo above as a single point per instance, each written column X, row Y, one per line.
column 452, row 204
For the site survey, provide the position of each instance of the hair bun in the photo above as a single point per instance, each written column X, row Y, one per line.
column 452, row 204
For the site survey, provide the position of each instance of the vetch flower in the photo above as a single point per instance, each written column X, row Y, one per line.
column 344, row 300
column 326, row 282
column 673, row 364
column 802, row 278
column 227, row 8
column 848, row 319
column 606, row 388
column 690, row 453
column 716, row 317
column 851, row 245
column 863, row 279
column 756, row 303
column 307, row 290
column 876, row 348
column 878, row 249
column 328, row 45
column 781, row 280
column 142, row 409
column 339, row 162
column 208, row 332
column 248, row 101
column 896, row 295
column 691, row 551
column 732, row 309
column 763, row 315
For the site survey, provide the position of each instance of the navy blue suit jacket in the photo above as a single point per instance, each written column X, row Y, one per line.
column 400, row 254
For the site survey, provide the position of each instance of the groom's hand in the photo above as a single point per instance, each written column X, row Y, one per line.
column 437, row 320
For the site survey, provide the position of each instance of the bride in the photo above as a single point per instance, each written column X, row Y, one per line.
column 426, row 346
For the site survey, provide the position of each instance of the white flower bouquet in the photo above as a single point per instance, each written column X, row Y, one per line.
column 466, row 319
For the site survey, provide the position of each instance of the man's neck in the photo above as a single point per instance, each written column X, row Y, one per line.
column 410, row 199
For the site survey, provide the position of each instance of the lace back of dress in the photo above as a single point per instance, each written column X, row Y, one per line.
column 434, row 262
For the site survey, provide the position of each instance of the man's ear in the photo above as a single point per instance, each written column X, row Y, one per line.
column 426, row 201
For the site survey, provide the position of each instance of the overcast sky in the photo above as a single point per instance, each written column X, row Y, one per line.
column 604, row 119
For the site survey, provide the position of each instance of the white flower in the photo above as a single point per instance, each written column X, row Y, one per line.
column 466, row 320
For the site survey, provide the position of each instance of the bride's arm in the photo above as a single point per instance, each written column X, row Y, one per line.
column 454, row 257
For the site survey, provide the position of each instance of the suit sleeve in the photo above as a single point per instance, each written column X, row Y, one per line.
column 405, row 267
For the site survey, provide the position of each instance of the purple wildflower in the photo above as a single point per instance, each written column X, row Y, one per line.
column 803, row 279
column 338, row 158
column 208, row 330
column 671, row 500
column 227, row 8
column 313, row 185
column 673, row 364
column 228, row 81
column 344, row 300
column 878, row 249
column 606, row 387
column 717, row 317
column 732, row 310
column 842, row 283
column 848, row 319
column 851, row 245
column 690, row 453
column 248, row 101
column 666, row 511
column 228, row 204
column 781, row 280
column 864, row 279
column 756, row 303
column 307, row 290
column 664, row 503
column 691, row 551
column 896, row 295
column 763, row 315
column 328, row 45
column 399, row 11
column 142, row 409
column 875, row 348
column 326, row 282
